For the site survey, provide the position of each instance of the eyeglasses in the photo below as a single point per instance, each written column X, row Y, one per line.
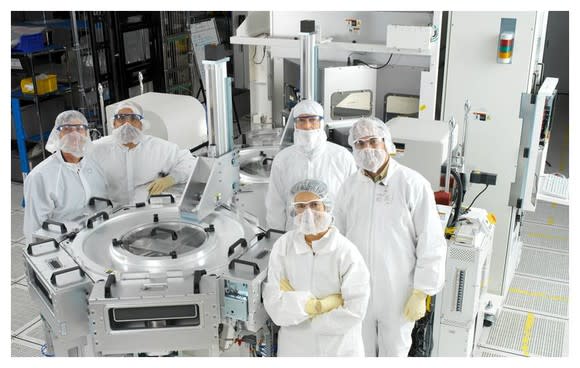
column 371, row 141
column 305, row 122
column 128, row 117
column 69, row 128
column 315, row 205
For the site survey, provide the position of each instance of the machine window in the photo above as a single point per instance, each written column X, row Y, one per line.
column 351, row 104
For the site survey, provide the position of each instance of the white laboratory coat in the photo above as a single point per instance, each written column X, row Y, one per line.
column 125, row 169
column 333, row 265
column 395, row 225
column 60, row 191
column 329, row 163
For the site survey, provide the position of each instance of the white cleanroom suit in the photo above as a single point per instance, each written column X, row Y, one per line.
column 395, row 225
column 59, row 190
column 333, row 265
column 125, row 169
column 329, row 163
column 310, row 157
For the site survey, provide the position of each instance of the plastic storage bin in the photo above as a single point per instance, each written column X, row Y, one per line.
column 43, row 85
column 31, row 42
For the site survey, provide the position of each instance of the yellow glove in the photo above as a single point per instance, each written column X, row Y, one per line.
column 330, row 302
column 316, row 306
column 159, row 185
column 285, row 285
column 416, row 306
column 312, row 307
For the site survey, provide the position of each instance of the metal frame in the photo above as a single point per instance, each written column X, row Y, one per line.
column 333, row 47
column 154, row 339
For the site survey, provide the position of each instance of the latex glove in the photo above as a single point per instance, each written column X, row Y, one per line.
column 330, row 302
column 159, row 185
column 312, row 307
column 316, row 306
column 285, row 285
column 416, row 305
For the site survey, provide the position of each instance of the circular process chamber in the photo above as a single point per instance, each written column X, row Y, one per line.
column 157, row 240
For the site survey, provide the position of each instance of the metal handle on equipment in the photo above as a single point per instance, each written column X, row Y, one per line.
column 268, row 233
column 111, row 280
column 274, row 231
column 161, row 195
column 196, row 279
column 46, row 223
column 94, row 199
column 198, row 147
column 31, row 245
column 75, row 268
column 240, row 241
column 102, row 214
column 232, row 265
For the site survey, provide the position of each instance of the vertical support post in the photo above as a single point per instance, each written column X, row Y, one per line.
column 308, row 60
column 218, row 107
column 102, row 109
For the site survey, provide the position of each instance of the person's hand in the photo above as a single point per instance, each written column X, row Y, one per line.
column 331, row 302
column 312, row 307
column 159, row 185
column 285, row 285
column 416, row 306
column 316, row 306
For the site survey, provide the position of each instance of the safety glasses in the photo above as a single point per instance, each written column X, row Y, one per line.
column 69, row 128
column 308, row 122
column 124, row 118
column 315, row 205
column 373, row 142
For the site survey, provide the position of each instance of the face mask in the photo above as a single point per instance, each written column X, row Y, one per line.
column 127, row 133
column 312, row 222
column 308, row 140
column 370, row 159
column 74, row 143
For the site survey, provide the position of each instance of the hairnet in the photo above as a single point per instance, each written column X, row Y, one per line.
column 313, row 186
column 307, row 107
column 135, row 107
column 371, row 127
column 65, row 117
